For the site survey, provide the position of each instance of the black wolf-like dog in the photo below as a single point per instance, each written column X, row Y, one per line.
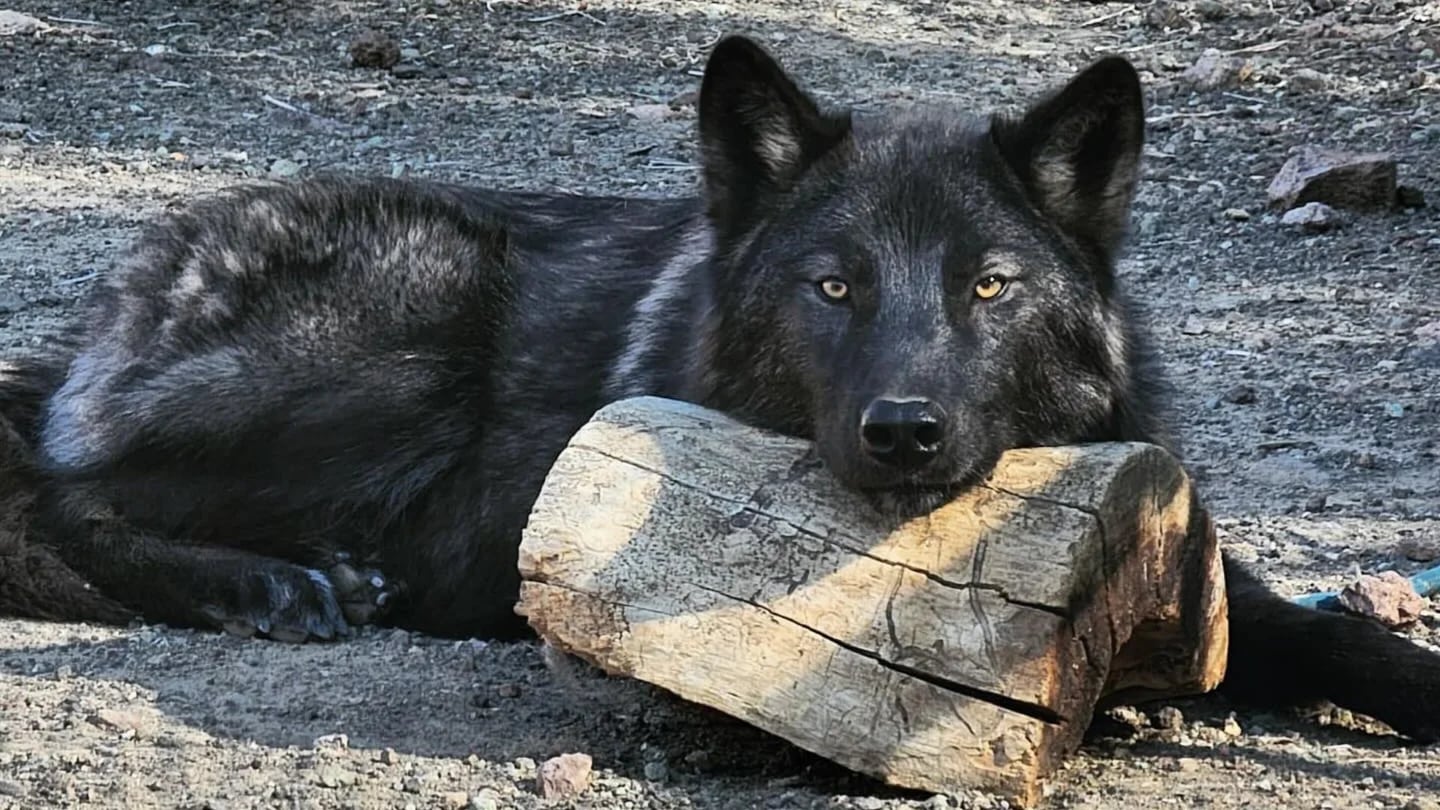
column 295, row 406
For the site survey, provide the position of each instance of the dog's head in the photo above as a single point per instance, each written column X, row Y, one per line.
column 920, row 292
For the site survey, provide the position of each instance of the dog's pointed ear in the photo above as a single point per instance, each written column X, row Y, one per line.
column 1078, row 152
column 758, row 130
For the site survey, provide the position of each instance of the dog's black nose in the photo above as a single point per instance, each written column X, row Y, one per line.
column 905, row 433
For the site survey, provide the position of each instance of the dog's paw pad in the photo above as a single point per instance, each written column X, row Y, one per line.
column 364, row 594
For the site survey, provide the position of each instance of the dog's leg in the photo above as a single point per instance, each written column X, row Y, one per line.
column 1285, row 654
column 204, row 585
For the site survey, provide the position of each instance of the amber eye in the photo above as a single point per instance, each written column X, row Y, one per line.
column 989, row 287
column 834, row 289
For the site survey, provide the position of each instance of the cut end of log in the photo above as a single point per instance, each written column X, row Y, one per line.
column 964, row 649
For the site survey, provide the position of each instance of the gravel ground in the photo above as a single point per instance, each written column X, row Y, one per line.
column 1307, row 364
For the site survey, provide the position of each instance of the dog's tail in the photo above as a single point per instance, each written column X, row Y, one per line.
column 34, row 582
column 1282, row 653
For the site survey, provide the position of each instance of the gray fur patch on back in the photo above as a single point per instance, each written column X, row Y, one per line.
column 635, row 372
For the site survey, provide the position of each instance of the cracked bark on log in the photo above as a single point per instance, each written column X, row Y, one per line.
column 964, row 649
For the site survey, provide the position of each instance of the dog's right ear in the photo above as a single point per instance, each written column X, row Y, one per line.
column 758, row 130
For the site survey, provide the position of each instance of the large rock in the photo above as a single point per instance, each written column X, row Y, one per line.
column 1358, row 181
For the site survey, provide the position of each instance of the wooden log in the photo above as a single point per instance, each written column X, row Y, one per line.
column 965, row 649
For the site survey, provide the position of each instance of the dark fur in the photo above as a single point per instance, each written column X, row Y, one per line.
column 388, row 369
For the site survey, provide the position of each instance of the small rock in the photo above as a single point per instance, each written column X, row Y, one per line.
column 334, row 776
column 1420, row 549
column 388, row 757
column 1169, row 718
column 1231, row 727
column 13, row 129
column 412, row 54
column 1212, row 10
column 486, row 799
column 331, row 741
column 1394, row 410
column 155, row 50
column 1240, row 395
column 565, row 776
column 1388, row 598
column 11, row 302
column 1187, row 764
column 1409, row 197
column 1237, row 215
column 13, row 789
column 650, row 113
column 1317, row 503
column 657, row 771
column 13, row 22
column 1130, row 716
column 1192, row 326
column 869, row 803
column 1314, row 217
column 374, row 49
column 407, row 70
column 460, row 82
column 284, row 167
column 1213, row 71
column 1308, row 80
column 1359, row 181
column 120, row 720
column 508, row 690
column 561, row 145
column 455, row 798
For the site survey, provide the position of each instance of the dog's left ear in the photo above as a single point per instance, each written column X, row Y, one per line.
column 758, row 130
column 1078, row 152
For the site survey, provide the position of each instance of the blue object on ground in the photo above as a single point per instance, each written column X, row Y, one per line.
column 1426, row 583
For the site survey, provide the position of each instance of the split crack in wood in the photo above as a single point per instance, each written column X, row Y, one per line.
column 1041, row 713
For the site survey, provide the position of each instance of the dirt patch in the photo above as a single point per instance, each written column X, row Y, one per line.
column 1306, row 365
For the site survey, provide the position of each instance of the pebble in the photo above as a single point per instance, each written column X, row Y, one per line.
column 567, row 776
column 1240, row 395
column 1394, row 410
column 334, row 776
column 1309, row 79
column 1420, row 549
column 284, row 167
column 1314, row 217
column 1388, row 598
column 374, row 49
column 650, row 113
column 1213, row 70
column 1237, row 214
column 1169, row 718
column 11, row 302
